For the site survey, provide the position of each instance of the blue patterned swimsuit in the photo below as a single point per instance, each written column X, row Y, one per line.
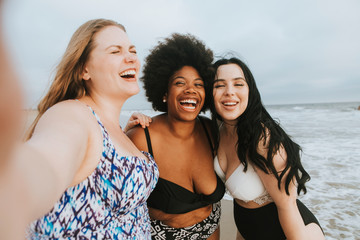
column 108, row 204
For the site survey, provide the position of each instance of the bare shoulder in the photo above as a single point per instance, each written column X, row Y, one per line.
column 137, row 136
column 69, row 109
column 62, row 137
column 279, row 157
column 263, row 143
column 67, row 118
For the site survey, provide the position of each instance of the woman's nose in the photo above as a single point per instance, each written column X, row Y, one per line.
column 190, row 89
column 131, row 57
column 229, row 90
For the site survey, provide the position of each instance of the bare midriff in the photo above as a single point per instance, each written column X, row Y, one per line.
column 181, row 220
column 250, row 204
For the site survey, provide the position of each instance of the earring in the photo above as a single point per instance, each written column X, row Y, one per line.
column 164, row 100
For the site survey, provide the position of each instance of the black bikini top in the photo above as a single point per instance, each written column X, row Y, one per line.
column 172, row 198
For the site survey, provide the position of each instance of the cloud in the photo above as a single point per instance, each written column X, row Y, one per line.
column 299, row 51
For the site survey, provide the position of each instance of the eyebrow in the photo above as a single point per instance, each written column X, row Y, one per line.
column 199, row 78
column 233, row 79
column 120, row 47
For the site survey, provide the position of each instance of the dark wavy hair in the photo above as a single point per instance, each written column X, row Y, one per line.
column 170, row 56
column 254, row 125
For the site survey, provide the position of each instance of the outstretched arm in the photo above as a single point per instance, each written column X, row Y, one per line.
column 32, row 175
column 13, row 215
column 60, row 141
column 41, row 169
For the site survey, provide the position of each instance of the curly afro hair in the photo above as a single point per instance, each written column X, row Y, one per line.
column 170, row 56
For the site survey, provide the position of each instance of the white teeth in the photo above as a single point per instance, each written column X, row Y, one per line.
column 128, row 72
column 189, row 107
column 229, row 103
column 192, row 101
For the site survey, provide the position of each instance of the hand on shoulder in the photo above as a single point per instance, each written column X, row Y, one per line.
column 136, row 119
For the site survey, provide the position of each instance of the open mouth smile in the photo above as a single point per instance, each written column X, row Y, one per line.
column 128, row 74
column 230, row 103
column 189, row 104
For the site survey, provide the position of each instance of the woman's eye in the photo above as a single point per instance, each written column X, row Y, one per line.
column 239, row 84
column 134, row 52
column 219, row 85
column 179, row 83
column 199, row 85
column 115, row 52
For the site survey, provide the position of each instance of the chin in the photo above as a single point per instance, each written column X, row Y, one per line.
column 132, row 93
column 132, row 89
column 229, row 118
column 189, row 117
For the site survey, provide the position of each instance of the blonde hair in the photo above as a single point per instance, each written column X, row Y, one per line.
column 68, row 82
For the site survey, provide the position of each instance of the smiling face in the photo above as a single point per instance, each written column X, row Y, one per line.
column 113, row 66
column 186, row 94
column 231, row 92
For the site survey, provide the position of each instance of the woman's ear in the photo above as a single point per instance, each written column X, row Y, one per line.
column 85, row 74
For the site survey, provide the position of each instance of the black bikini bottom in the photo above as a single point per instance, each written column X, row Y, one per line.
column 200, row 230
column 263, row 222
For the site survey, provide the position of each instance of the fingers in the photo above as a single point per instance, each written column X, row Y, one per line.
column 130, row 124
column 133, row 123
column 138, row 119
column 142, row 119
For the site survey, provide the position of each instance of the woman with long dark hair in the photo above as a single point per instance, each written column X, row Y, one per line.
column 257, row 160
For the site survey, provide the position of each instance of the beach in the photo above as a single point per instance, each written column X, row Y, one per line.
column 329, row 135
column 227, row 224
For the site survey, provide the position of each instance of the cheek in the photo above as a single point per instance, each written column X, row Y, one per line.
column 172, row 93
column 246, row 103
column 244, row 93
column 138, row 65
column 216, row 96
column 216, row 101
column 218, row 109
column 202, row 93
column 245, row 97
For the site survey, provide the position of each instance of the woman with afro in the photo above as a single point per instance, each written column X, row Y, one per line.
column 186, row 201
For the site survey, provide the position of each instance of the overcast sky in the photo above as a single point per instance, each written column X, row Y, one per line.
column 304, row 51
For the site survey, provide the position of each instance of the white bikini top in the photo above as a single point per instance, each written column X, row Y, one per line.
column 245, row 186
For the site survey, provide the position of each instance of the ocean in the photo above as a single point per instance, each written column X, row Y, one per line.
column 329, row 135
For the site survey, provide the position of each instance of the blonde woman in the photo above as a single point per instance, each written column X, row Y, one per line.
column 86, row 176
